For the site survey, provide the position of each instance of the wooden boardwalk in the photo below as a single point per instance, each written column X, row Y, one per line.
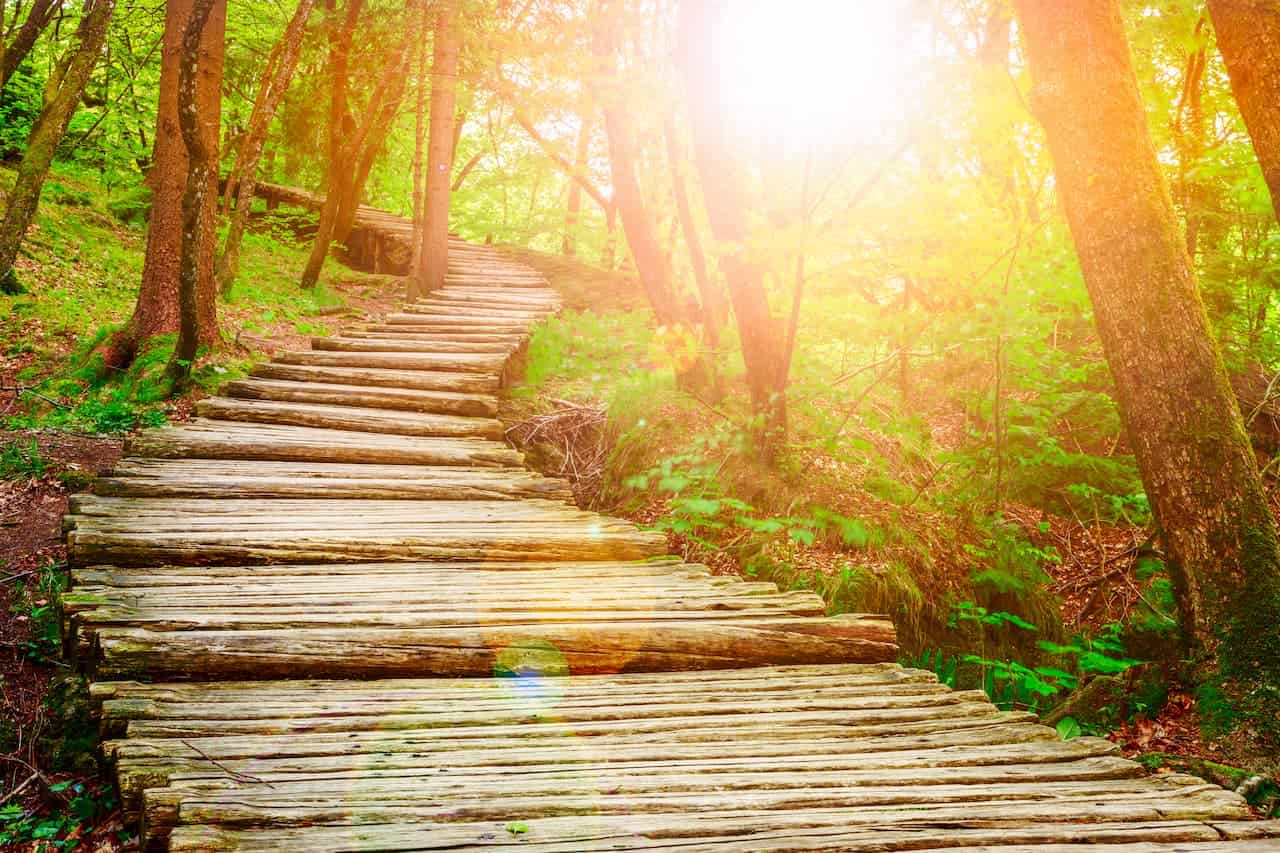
column 336, row 613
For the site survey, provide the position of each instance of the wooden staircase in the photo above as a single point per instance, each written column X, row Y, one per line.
column 336, row 613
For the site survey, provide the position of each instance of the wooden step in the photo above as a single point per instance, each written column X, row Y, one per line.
column 421, row 380
column 225, row 440
column 436, row 402
column 348, row 418
column 490, row 365
column 384, row 344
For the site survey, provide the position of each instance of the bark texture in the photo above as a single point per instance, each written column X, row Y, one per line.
column 62, row 93
column 433, row 258
column 723, row 179
column 199, row 111
column 1181, row 417
column 156, row 311
column 1249, row 38
column 244, row 174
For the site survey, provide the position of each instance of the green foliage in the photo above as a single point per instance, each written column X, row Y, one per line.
column 61, row 829
column 38, row 601
column 1013, row 683
column 21, row 459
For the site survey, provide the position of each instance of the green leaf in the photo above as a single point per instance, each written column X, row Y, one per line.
column 1068, row 728
column 803, row 535
column 517, row 828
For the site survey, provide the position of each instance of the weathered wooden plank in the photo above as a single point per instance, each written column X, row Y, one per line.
column 422, row 380
column 490, row 364
column 349, row 418
column 222, row 440
column 730, row 833
column 431, row 402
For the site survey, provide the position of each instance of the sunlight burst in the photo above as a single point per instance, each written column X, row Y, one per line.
column 816, row 70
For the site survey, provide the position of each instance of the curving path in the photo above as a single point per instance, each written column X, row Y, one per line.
column 336, row 613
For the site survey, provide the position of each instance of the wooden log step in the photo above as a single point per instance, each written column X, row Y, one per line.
column 491, row 364
column 353, row 418
column 195, row 478
column 409, row 316
column 743, row 832
column 485, row 298
column 355, row 541
column 421, row 380
column 374, row 344
column 411, row 400
column 414, row 333
column 449, row 307
column 348, row 652
column 202, row 439
column 482, row 572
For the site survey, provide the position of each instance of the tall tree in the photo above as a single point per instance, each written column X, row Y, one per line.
column 433, row 258
column 157, row 310
column 196, row 118
column 637, row 224
column 14, row 49
column 421, row 74
column 244, row 174
column 1248, row 34
column 1180, row 415
column 338, row 127
column 763, row 335
column 353, row 146
column 62, row 93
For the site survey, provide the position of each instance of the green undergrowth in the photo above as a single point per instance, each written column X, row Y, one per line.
column 868, row 505
column 80, row 270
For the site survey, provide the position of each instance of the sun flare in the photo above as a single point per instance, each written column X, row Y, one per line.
column 813, row 70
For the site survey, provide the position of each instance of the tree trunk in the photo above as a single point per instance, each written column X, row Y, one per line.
column 642, row 237
column 380, row 115
column 62, row 94
column 713, row 307
column 244, row 175
column 420, row 131
column 157, row 309
column 573, row 205
column 199, row 110
column 1188, row 134
column 1179, row 412
column 16, row 50
column 762, row 334
column 433, row 259
column 339, row 127
column 1249, row 39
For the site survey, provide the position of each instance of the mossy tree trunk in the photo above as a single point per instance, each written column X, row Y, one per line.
column 1182, row 420
column 157, row 310
column 1248, row 34
column 432, row 262
column 763, row 334
column 199, row 109
column 62, row 93
column 244, row 175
